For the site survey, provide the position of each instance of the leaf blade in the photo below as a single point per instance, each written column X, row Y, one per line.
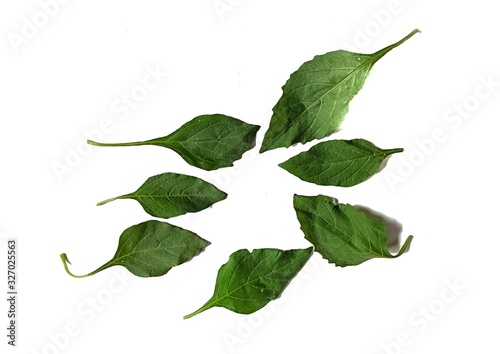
column 151, row 249
column 342, row 234
column 316, row 97
column 224, row 137
column 172, row 194
column 343, row 163
column 250, row 280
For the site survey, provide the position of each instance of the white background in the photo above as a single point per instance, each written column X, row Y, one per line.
column 69, row 74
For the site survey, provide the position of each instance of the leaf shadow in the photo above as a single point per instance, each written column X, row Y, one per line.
column 394, row 227
column 383, row 164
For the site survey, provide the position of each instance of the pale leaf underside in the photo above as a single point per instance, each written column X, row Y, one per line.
column 316, row 97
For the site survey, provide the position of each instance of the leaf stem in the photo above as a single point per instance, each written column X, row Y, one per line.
column 394, row 151
column 135, row 143
column 66, row 261
column 205, row 307
column 108, row 200
column 384, row 51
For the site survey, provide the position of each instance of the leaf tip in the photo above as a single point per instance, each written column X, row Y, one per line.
column 268, row 143
column 263, row 149
column 406, row 246
column 310, row 250
column 389, row 152
column 412, row 33
column 283, row 165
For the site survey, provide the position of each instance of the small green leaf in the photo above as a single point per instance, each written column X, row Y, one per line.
column 342, row 234
column 172, row 194
column 342, row 163
column 249, row 280
column 151, row 249
column 208, row 141
column 316, row 97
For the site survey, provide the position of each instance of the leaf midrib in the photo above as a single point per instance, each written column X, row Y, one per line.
column 161, row 196
column 188, row 140
column 347, row 159
column 114, row 260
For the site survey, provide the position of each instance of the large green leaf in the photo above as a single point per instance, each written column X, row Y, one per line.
column 151, row 249
column 172, row 194
column 316, row 97
column 208, row 141
column 342, row 234
column 249, row 280
column 342, row 163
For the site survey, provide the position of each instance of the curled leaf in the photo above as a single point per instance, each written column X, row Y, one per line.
column 151, row 249
column 342, row 234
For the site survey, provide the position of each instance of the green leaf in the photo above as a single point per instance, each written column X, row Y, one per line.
column 342, row 234
column 342, row 163
column 316, row 97
column 171, row 194
column 208, row 141
column 151, row 249
column 249, row 280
